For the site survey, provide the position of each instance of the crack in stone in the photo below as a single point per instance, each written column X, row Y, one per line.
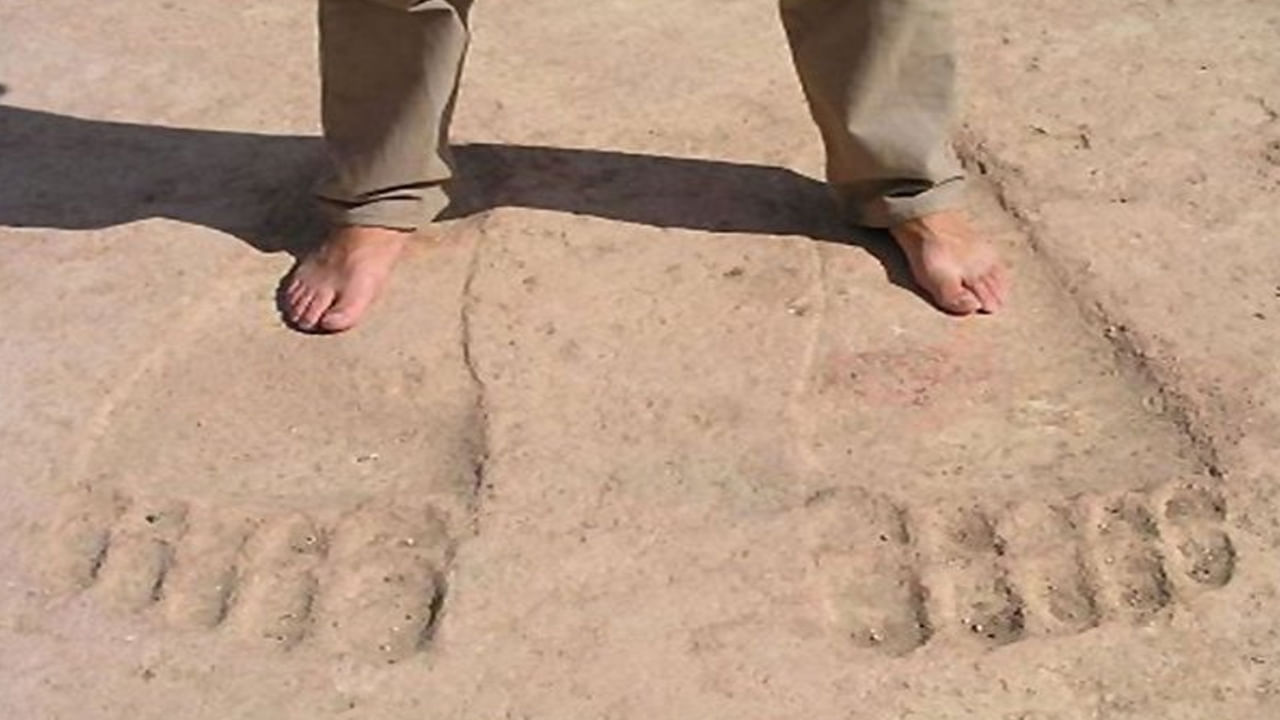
column 480, row 458
column 800, row 420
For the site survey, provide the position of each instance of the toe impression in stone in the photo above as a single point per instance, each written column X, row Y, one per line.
column 862, row 561
column 276, row 597
column 140, row 554
column 385, row 582
column 971, row 590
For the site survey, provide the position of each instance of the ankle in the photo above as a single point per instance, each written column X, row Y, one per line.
column 932, row 228
column 351, row 237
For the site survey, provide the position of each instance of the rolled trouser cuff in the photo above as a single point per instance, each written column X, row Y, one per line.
column 409, row 209
column 884, row 210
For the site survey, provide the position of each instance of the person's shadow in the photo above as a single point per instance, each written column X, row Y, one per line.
column 64, row 172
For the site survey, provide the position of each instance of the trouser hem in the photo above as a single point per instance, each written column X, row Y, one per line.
column 888, row 211
column 397, row 213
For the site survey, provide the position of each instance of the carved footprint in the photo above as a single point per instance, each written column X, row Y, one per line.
column 369, row 585
column 897, row 577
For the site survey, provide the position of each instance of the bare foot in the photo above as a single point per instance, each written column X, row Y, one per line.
column 959, row 269
column 333, row 286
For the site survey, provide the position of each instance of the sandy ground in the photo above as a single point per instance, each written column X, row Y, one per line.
column 642, row 431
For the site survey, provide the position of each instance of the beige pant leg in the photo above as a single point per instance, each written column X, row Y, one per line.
column 879, row 77
column 389, row 71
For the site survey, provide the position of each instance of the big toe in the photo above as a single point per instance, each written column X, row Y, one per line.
column 954, row 297
column 338, row 321
column 346, row 313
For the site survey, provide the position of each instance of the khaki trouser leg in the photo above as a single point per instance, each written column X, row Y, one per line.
column 879, row 77
column 389, row 71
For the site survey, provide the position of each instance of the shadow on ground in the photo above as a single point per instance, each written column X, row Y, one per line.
column 58, row 171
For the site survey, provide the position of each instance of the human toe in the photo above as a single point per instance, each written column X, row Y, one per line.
column 345, row 313
column 954, row 297
column 320, row 303
column 988, row 296
column 298, row 303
